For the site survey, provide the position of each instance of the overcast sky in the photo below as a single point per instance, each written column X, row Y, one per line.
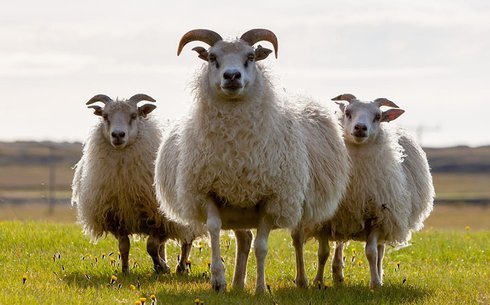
column 430, row 57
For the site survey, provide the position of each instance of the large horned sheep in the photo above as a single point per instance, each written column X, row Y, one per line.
column 390, row 192
column 246, row 157
column 113, row 182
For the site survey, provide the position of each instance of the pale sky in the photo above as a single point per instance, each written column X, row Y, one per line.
column 432, row 58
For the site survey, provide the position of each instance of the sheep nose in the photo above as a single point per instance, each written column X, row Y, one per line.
column 360, row 127
column 232, row 75
column 118, row 134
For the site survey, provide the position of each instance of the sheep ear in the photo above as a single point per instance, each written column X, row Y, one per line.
column 341, row 106
column 391, row 114
column 203, row 53
column 145, row 109
column 261, row 53
column 97, row 110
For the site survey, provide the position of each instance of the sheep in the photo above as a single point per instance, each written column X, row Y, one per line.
column 245, row 157
column 113, row 181
column 390, row 192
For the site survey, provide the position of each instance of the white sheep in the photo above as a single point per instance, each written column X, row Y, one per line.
column 390, row 192
column 113, row 181
column 246, row 157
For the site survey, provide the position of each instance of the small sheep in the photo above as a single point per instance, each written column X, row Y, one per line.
column 390, row 192
column 113, row 181
column 246, row 157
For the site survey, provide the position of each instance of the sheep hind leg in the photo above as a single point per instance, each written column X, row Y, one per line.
column 218, row 279
column 381, row 252
column 155, row 246
column 260, row 246
column 298, row 237
column 243, row 245
column 185, row 250
column 124, row 245
column 338, row 263
column 372, row 257
column 323, row 253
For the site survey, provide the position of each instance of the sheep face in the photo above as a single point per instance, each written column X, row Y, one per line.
column 231, row 65
column 361, row 120
column 121, row 118
column 232, row 70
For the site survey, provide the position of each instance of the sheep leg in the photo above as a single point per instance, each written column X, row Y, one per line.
column 218, row 280
column 124, row 246
column 323, row 253
column 260, row 246
column 381, row 252
column 155, row 246
column 243, row 245
column 185, row 251
column 372, row 257
column 298, row 237
column 338, row 263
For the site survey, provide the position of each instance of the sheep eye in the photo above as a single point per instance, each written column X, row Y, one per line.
column 134, row 116
column 212, row 59
column 377, row 117
column 251, row 57
column 105, row 116
column 348, row 114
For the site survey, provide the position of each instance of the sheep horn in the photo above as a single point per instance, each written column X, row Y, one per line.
column 100, row 98
column 207, row 36
column 345, row 97
column 256, row 35
column 141, row 97
column 385, row 102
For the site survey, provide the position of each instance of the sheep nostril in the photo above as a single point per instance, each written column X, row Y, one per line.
column 360, row 127
column 118, row 134
column 232, row 75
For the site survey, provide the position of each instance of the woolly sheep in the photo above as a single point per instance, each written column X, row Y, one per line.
column 246, row 157
column 390, row 192
column 113, row 181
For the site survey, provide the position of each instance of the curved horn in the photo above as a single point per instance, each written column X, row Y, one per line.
column 141, row 97
column 207, row 36
column 100, row 98
column 385, row 102
column 256, row 35
column 345, row 97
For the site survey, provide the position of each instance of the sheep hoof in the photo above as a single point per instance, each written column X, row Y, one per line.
column 301, row 282
column 259, row 289
column 161, row 269
column 218, row 286
column 180, row 269
column 338, row 279
column 375, row 285
column 125, row 270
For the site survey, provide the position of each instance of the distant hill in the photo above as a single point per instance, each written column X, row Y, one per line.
column 459, row 159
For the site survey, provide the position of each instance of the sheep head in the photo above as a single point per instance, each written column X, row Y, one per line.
column 121, row 117
column 232, row 68
column 361, row 120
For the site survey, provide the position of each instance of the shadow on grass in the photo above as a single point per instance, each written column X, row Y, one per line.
column 184, row 289
column 394, row 294
column 138, row 279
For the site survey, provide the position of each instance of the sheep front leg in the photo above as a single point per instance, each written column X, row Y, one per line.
column 372, row 257
column 323, row 253
column 218, row 280
column 185, row 250
column 260, row 246
column 124, row 246
column 155, row 246
column 243, row 245
column 338, row 263
column 298, row 237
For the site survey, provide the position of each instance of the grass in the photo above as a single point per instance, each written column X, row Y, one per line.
column 52, row 263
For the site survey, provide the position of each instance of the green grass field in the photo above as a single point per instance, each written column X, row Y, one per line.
column 53, row 263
